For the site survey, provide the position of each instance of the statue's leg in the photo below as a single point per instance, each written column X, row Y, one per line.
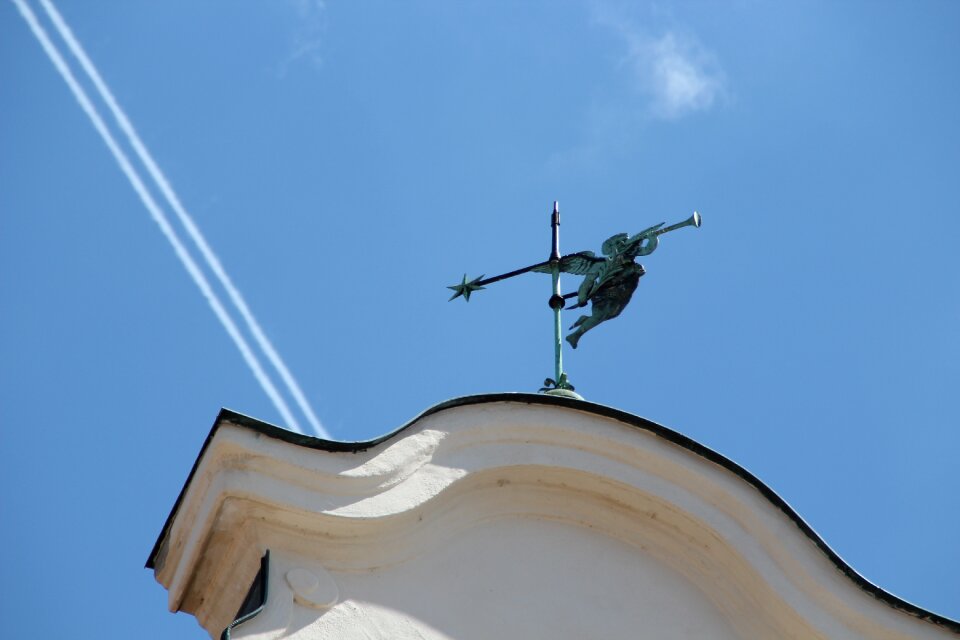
column 579, row 322
column 585, row 323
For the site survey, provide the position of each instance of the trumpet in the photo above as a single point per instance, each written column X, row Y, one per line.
column 692, row 221
column 652, row 235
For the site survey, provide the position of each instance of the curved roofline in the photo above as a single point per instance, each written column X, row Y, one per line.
column 312, row 442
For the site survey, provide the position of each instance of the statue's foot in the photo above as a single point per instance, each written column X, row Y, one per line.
column 573, row 339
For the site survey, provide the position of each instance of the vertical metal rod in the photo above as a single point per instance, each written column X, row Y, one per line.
column 555, row 270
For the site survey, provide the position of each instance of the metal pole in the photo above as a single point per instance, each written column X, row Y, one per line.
column 556, row 301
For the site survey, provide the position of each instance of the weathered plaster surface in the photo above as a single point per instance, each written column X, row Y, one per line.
column 504, row 520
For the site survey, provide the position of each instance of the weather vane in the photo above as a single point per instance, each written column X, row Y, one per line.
column 608, row 284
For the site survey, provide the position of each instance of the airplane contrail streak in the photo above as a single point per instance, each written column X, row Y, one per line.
column 157, row 214
column 185, row 218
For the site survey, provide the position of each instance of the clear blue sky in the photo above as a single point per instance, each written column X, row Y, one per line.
column 348, row 160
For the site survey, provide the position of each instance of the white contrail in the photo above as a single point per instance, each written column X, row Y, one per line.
column 157, row 214
column 185, row 218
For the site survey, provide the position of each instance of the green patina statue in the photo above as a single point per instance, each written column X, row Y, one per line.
column 608, row 283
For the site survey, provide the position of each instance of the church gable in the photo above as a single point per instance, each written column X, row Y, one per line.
column 513, row 515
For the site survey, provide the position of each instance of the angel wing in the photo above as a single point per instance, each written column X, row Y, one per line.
column 579, row 263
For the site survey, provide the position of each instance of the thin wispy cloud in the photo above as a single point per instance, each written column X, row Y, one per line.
column 676, row 74
column 680, row 74
column 160, row 217
column 650, row 74
column 307, row 38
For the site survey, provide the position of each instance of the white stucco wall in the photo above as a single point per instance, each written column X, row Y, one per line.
column 513, row 577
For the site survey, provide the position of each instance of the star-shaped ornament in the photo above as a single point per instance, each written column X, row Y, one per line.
column 466, row 288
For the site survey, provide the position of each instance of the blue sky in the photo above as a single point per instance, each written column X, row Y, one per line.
column 347, row 161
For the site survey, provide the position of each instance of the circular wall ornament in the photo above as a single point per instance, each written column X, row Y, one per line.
column 313, row 589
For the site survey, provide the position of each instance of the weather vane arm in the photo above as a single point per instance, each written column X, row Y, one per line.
column 584, row 263
column 465, row 288
column 576, row 263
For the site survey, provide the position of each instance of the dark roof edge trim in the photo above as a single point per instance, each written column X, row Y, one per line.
column 311, row 442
